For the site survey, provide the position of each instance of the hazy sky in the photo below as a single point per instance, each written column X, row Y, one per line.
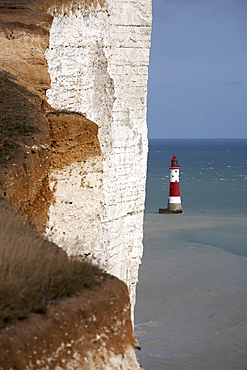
column 198, row 69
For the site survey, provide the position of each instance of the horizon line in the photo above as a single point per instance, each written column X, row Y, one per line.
column 197, row 138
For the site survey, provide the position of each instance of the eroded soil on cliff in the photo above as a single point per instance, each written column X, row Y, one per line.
column 34, row 138
column 24, row 134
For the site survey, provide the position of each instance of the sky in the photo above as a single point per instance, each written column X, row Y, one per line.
column 198, row 69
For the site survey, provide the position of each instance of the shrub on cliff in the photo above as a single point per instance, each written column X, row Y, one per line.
column 34, row 272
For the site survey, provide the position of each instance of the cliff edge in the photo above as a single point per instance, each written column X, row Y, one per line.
column 91, row 331
column 98, row 59
column 73, row 150
column 75, row 76
column 57, row 312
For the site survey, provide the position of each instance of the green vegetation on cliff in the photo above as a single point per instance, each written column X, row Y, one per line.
column 35, row 272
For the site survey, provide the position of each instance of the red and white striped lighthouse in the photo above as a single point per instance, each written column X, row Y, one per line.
column 174, row 200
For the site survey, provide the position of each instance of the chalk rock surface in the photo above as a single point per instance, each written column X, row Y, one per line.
column 98, row 59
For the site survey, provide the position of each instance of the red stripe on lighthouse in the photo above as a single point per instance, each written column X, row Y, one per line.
column 174, row 189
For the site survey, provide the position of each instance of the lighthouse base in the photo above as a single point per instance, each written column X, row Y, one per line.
column 172, row 208
column 170, row 211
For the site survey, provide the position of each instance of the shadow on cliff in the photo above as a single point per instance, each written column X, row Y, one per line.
column 20, row 119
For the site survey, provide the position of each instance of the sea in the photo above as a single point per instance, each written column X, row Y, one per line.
column 191, row 308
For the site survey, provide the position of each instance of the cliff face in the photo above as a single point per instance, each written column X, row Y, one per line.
column 75, row 165
column 98, row 63
column 79, row 173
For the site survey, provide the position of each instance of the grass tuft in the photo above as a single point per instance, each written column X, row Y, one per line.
column 34, row 272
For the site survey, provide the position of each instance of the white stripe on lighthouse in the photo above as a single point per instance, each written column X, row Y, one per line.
column 174, row 175
column 174, row 200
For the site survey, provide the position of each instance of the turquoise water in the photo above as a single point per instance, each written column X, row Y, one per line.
column 191, row 310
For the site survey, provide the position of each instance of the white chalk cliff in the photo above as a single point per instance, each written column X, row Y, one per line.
column 98, row 62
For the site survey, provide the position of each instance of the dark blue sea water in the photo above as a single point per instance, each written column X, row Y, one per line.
column 191, row 310
column 213, row 174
